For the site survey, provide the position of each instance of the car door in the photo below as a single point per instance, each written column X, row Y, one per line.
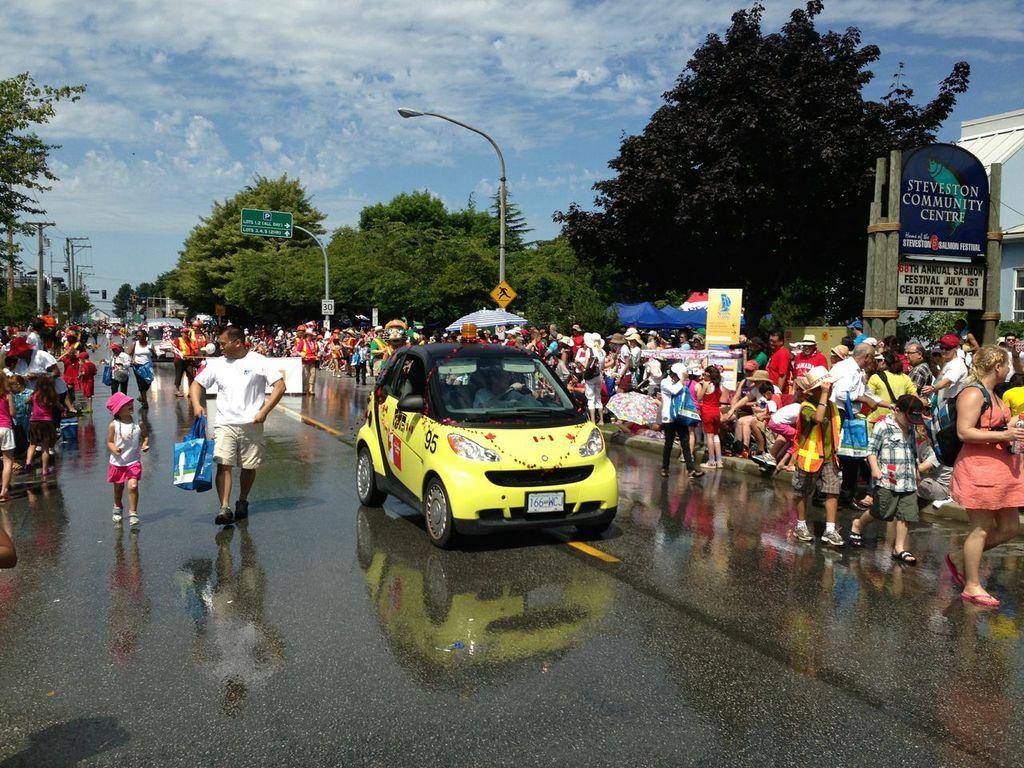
column 404, row 453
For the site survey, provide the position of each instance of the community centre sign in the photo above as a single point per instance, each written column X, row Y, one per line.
column 943, row 203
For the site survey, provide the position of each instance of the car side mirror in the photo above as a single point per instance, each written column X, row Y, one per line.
column 411, row 404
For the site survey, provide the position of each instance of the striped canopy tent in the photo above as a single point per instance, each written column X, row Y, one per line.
column 487, row 318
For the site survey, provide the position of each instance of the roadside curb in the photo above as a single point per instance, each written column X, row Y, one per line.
column 951, row 511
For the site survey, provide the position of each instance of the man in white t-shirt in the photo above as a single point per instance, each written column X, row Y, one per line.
column 953, row 375
column 241, row 377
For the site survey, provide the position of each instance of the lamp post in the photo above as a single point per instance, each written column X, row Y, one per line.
column 407, row 113
column 327, row 272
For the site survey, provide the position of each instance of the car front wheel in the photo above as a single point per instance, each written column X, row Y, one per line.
column 437, row 512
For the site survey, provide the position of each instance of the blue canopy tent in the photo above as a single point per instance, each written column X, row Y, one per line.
column 689, row 318
column 644, row 315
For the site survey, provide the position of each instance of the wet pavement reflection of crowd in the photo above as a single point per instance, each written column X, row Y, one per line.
column 895, row 636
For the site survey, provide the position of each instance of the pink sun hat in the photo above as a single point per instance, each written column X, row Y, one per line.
column 117, row 401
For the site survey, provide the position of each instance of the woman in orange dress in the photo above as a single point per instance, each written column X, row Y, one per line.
column 988, row 480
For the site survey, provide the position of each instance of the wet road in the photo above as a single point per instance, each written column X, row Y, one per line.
column 319, row 633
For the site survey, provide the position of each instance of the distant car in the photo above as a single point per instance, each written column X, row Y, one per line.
column 163, row 350
column 482, row 439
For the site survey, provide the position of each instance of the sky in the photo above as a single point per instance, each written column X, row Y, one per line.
column 188, row 100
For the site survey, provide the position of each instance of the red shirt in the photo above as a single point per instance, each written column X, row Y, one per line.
column 803, row 363
column 778, row 367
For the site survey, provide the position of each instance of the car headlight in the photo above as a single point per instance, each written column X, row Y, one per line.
column 467, row 449
column 594, row 444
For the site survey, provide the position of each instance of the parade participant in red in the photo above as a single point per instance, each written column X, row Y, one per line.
column 70, row 376
column 86, row 374
column 709, row 395
column 305, row 348
column 808, row 357
column 780, row 361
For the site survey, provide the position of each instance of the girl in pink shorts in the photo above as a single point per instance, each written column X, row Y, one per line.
column 127, row 441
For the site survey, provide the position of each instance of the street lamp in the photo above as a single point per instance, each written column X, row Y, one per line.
column 407, row 113
column 327, row 271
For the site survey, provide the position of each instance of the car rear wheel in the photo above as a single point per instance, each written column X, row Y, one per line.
column 366, row 480
column 437, row 512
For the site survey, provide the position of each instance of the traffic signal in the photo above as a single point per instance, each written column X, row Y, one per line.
column 104, row 295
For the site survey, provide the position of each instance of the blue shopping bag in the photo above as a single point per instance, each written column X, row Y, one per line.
column 853, row 440
column 193, row 459
column 145, row 372
column 107, row 378
column 684, row 408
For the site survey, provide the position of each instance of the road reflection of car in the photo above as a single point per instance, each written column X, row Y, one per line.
column 482, row 438
column 163, row 349
column 444, row 619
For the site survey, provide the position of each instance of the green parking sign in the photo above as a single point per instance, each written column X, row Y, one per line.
column 266, row 223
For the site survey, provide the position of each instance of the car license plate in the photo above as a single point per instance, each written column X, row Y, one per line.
column 551, row 501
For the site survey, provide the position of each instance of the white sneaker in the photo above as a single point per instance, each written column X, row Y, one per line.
column 940, row 503
column 116, row 516
column 133, row 519
column 769, row 459
column 709, row 465
column 832, row 539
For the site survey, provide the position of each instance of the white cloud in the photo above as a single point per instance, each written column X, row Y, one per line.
column 269, row 144
column 311, row 90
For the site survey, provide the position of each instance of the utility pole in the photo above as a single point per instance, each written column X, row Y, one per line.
column 72, row 274
column 39, row 225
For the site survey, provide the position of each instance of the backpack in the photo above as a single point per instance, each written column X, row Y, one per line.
column 947, row 442
column 591, row 370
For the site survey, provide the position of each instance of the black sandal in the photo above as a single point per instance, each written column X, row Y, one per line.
column 697, row 473
column 855, row 539
column 904, row 557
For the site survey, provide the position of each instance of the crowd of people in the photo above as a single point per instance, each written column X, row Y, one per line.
column 874, row 425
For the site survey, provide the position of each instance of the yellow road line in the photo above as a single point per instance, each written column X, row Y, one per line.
column 311, row 421
column 593, row 552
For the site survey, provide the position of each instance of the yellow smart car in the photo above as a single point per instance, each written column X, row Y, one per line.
column 482, row 438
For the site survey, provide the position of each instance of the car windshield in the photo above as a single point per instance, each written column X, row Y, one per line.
column 496, row 388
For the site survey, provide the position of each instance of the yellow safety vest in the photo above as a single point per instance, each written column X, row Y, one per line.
column 811, row 455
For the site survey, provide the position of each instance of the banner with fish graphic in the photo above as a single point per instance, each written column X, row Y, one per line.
column 943, row 203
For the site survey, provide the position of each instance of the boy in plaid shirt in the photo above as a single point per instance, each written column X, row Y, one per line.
column 894, row 467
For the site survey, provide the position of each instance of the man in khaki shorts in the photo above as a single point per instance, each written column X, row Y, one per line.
column 241, row 377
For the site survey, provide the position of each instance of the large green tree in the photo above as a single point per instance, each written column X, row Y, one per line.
column 216, row 254
column 77, row 300
column 412, row 257
column 122, row 301
column 21, row 308
column 756, row 170
column 24, row 157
